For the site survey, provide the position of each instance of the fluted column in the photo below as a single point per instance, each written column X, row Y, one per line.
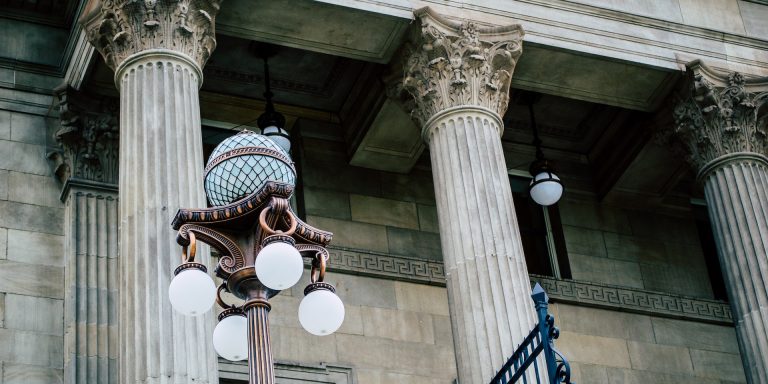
column 722, row 124
column 157, row 49
column 459, row 77
column 85, row 161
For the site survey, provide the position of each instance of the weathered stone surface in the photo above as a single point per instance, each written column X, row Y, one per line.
column 633, row 376
column 584, row 241
column 753, row 15
column 31, row 348
column 365, row 291
column 380, row 211
column 416, row 186
column 352, row 234
column 604, row 270
column 397, row 356
column 30, row 374
column 600, row 322
column 5, row 125
column 421, row 298
column 443, row 331
column 398, row 325
column 31, row 217
column 722, row 15
column 28, row 128
column 379, row 376
column 660, row 358
column 2, row 312
column 423, row 245
column 23, row 157
column 35, row 248
column 294, row 344
column 33, row 189
column 4, row 185
column 593, row 216
column 717, row 365
column 688, row 280
column 30, row 279
column 695, row 335
column 34, row 314
column 631, row 248
column 596, row 350
column 327, row 203
column 336, row 175
column 428, row 218
column 3, row 243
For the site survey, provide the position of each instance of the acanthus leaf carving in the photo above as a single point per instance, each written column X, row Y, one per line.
column 88, row 138
column 451, row 64
column 720, row 115
column 120, row 28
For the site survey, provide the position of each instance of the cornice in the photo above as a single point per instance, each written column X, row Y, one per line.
column 535, row 35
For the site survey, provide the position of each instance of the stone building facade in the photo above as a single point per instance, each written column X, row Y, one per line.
column 412, row 140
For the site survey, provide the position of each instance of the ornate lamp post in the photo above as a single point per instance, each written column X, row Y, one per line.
column 248, row 180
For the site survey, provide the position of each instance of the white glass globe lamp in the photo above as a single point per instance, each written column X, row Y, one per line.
column 279, row 265
column 321, row 312
column 192, row 291
column 230, row 337
column 279, row 136
column 546, row 188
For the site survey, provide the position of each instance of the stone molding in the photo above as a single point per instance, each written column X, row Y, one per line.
column 88, row 138
column 450, row 64
column 121, row 28
column 720, row 115
column 597, row 295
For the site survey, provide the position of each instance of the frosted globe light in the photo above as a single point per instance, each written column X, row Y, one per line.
column 230, row 338
column 279, row 136
column 279, row 265
column 192, row 292
column 321, row 312
column 545, row 188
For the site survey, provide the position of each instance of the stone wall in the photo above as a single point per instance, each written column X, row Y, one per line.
column 632, row 248
column 31, row 254
column 615, row 347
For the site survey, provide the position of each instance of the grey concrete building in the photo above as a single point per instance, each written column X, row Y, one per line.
column 412, row 139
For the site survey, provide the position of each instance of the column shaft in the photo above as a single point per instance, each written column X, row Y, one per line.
column 488, row 285
column 91, row 286
column 737, row 197
column 160, row 171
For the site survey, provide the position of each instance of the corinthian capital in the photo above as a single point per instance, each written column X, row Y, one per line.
column 88, row 139
column 720, row 115
column 120, row 28
column 451, row 64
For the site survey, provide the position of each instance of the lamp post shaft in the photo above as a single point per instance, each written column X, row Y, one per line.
column 260, row 363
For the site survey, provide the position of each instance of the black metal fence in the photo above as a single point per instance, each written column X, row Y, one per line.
column 541, row 340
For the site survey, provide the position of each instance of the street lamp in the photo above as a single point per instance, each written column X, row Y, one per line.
column 248, row 181
column 545, row 188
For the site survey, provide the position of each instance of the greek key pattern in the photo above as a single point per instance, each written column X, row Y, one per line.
column 565, row 291
column 636, row 300
column 385, row 265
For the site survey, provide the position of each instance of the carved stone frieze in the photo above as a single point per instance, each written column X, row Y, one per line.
column 720, row 115
column 120, row 28
column 88, row 138
column 450, row 64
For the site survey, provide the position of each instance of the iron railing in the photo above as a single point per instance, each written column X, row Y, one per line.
column 540, row 340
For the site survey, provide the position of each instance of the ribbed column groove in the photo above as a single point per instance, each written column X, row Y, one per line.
column 737, row 197
column 488, row 286
column 259, row 344
column 160, row 163
column 91, row 285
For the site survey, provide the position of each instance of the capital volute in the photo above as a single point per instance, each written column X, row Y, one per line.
column 121, row 28
column 451, row 64
column 721, row 114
